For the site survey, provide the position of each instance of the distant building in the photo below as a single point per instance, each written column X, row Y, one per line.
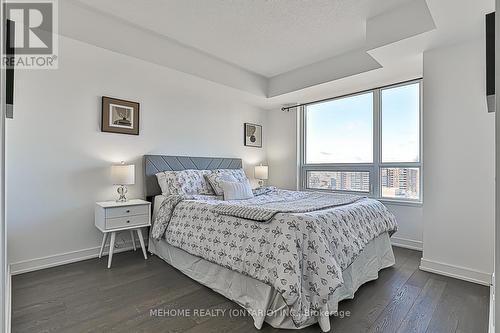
column 333, row 183
column 401, row 182
column 395, row 182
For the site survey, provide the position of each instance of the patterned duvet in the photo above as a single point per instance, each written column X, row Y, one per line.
column 300, row 254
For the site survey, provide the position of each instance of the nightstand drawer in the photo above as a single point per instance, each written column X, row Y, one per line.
column 126, row 211
column 123, row 222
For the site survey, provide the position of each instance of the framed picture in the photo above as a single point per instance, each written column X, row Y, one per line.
column 253, row 135
column 119, row 116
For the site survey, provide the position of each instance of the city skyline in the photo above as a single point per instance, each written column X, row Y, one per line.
column 401, row 183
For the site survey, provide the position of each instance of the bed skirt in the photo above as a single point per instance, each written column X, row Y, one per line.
column 262, row 301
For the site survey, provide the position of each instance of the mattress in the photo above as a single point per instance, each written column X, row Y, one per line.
column 262, row 301
column 156, row 204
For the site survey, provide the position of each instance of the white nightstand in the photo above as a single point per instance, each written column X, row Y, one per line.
column 112, row 216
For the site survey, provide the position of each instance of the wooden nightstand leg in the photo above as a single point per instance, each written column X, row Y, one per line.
column 133, row 238
column 111, row 248
column 139, row 234
column 104, row 237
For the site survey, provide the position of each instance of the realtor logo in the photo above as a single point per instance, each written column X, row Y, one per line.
column 33, row 34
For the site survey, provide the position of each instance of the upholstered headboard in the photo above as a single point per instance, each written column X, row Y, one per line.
column 158, row 163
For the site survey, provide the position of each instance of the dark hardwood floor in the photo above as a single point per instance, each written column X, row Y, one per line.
column 87, row 297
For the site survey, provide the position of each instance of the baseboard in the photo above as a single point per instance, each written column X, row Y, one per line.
column 491, row 319
column 407, row 243
column 457, row 272
column 66, row 258
column 8, row 301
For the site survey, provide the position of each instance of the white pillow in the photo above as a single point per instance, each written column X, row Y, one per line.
column 236, row 190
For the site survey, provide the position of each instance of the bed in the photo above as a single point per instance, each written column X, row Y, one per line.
column 290, row 268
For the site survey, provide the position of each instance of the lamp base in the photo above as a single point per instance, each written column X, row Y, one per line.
column 261, row 183
column 122, row 190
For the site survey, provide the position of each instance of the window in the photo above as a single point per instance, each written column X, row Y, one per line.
column 400, row 123
column 340, row 131
column 400, row 183
column 367, row 143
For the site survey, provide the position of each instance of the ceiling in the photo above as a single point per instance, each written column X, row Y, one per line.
column 267, row 37
column 276, row 52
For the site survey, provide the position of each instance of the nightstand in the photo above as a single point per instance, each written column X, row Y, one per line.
column 112, row 216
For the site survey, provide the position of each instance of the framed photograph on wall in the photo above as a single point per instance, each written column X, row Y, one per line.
column 119, row 116
column 253, row 135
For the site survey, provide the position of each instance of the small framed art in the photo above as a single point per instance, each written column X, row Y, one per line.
column 253, row 135
column 119, row 116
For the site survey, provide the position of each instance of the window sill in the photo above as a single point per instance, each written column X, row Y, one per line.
column 401, row 202
column 385, row 201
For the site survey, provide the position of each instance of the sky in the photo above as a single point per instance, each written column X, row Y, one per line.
column 341, row 130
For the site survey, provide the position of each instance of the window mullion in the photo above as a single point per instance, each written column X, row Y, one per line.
column 302, row 152
column 400, row 165
column 377, row 132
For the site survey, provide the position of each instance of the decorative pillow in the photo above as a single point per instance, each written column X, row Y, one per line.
column 263, row 190
column 216, row 178
column 216, row 175
column 239, row 174
column 184, row 182
column 206, row 188
column 162, row 181
column 236, row 190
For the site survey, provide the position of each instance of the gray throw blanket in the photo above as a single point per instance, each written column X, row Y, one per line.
column 263, row 212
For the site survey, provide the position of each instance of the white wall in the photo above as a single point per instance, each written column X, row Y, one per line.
column 494, row 319
column 282, row 159
column 59, row 160
column 5, row 280
column 458, row 163
column 282, row 148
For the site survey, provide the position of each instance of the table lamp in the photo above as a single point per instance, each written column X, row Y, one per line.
column 261, row 173
column 123, row 175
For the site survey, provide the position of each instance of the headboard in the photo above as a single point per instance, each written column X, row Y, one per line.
column 158, row 163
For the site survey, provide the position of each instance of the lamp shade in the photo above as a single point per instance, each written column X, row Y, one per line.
column 261, row 172
column 123, row 174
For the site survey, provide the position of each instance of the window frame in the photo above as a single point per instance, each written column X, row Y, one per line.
column 375, row 168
